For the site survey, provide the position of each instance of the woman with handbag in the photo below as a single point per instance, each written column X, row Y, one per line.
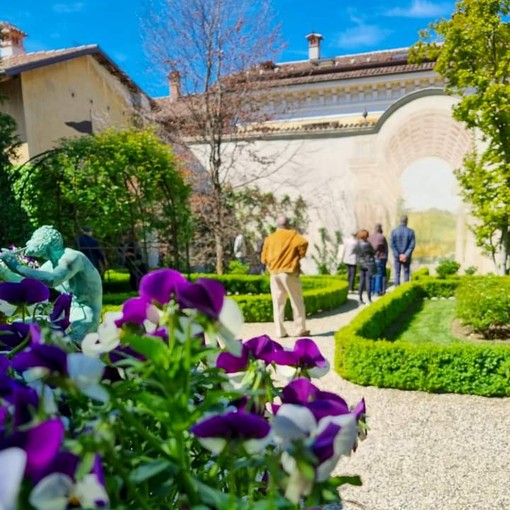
column 366, row 262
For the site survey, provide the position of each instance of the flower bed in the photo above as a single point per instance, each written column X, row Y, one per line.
column 163, row 407
column 363, row 357
column 253, row 296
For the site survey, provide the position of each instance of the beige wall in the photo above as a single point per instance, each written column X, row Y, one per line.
column 353, row 182
column 81, row 89
column 12, row 104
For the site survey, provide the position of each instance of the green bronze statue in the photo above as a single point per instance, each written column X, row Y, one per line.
column 65, row 270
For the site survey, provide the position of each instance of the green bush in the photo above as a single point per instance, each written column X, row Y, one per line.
column 471, row 270
column 421, row 273
column 236, row 267
column 362, row 357
column 435, row 287
column 447, row 267
column 115, row 281
column 483, row 303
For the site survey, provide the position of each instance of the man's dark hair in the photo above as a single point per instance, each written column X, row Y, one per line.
column 403, row 220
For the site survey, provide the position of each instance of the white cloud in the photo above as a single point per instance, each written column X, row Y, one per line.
column 362, row 35
column 421, row 9
column 68, row 8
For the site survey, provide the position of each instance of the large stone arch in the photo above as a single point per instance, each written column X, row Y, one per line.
column 418, row 126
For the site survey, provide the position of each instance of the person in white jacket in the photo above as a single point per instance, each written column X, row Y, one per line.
column 240, row 248
column 348, row 257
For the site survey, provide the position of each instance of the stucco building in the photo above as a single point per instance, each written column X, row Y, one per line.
column 364, row 138
column 63, row 93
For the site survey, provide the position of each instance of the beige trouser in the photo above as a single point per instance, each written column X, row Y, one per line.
column 283, row 285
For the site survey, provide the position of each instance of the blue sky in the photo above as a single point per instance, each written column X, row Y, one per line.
column 348, row 26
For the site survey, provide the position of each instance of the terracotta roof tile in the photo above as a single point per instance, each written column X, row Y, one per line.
column 15, row 61
column 341, row 68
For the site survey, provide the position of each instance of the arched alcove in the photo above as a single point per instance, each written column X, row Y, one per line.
column 430, row 199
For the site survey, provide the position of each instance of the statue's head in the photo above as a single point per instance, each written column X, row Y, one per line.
column 43, row 241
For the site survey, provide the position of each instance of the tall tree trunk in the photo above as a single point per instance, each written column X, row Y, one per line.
column 218, row 240
column 502, row 261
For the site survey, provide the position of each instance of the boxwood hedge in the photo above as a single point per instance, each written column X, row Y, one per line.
column 363, row 357
column 252, row 293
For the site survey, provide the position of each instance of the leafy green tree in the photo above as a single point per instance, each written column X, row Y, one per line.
column 326, row 252
column 115, row 182
column 474, row 59
column 14, row 224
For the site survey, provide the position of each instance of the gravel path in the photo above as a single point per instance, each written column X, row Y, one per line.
column 423, row 451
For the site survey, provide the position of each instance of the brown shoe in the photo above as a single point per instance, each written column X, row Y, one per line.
column 306, row 332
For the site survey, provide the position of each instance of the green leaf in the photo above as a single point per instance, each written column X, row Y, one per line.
column 213, row 497
column 151, row 347
column 338, row 481
column 146, row 471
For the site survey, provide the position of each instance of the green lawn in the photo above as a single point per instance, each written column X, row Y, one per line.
column 429, row 322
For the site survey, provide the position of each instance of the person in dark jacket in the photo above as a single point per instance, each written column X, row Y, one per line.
column 380, row 245
column 90, row 248
column 365, row 259
column 131, row 257
column 403, row 242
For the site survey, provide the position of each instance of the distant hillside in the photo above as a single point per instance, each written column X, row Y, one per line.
column 435, row 234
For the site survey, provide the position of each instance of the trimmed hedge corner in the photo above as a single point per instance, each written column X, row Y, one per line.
column 362, row 357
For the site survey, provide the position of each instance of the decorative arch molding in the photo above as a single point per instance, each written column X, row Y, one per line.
column 419, row 126
column 430, row 91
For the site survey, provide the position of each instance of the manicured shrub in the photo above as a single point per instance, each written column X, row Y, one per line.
column 483, row 303
column 447, row 267
column 363, row 357
column 236, row 267
column 420, row 273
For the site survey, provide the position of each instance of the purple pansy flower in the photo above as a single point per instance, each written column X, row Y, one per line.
column 214, row 433
column 13, row 334
column 64, row 462
column 21, row 397
column 206, row 296
column 44, row 356
column 26, row 292
column 4, row 364
column 41, row 443
column 60, row 489
column 137, row 311
column 61, row 311
column 321, row 403
column 232, row 364
column 160, row 285
column 305, row 356
column 260, row 347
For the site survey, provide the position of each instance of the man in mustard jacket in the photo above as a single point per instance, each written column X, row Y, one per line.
column 281, row 253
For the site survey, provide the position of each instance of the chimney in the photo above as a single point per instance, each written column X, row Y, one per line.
column 174, row 81
column 11, row 40
column 314, row 46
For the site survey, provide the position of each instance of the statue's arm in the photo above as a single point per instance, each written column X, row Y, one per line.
column 52, row 277
column 7, row 275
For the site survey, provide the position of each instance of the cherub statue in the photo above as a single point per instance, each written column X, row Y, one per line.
column 65, row 270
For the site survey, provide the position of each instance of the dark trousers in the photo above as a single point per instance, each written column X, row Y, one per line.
column 379, row 279
column 365, row 279
column 398, row 267
column 351, row 275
